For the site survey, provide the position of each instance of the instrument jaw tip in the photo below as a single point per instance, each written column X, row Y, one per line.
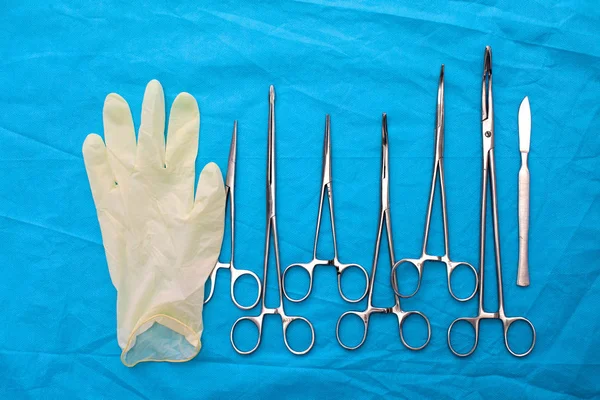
column 272, row 94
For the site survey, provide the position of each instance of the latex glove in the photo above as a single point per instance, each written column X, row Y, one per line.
column 161, row 243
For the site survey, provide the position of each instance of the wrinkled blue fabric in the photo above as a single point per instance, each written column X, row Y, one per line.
column 353, row 60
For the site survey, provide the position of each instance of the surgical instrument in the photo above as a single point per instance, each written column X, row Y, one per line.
column 384, row 218
column 524, row 138
column 334, row 262
column 438, row 170
column 230, row 194
column 489, row 168
column 271, row 231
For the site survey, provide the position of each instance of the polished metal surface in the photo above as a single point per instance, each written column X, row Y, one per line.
column 271, row 232
column 309, row 267
column 384, row 218
column 524, row 138
column 489, row 170
column 524, row 125
column 235, row 272
column 438, row 171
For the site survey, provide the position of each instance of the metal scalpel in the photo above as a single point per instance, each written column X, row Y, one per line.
column 524, row 138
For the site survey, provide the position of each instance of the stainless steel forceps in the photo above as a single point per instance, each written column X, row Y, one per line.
column 384, row 218
column 438, row 170
column 230, row 194
column 489, row 168
column 272, row 227
column 335, row 262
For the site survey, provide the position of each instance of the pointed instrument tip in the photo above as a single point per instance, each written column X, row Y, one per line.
column 272, row 94
column 486, row 88
column 524, row 106
column 230, row 176
column 234, row 134
column 327, row 142
column 439, row 115
column 487, row 60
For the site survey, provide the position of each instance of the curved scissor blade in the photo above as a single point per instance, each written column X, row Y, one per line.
column 230, row 177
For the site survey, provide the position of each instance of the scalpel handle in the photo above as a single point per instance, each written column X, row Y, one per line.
column 523, row 270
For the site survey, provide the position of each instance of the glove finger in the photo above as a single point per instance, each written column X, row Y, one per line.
column 120, row 136
column 210, row 193
column 98, row 169
column 151, row 139
column 102, row 183
column 182, row 148
column 182, row 136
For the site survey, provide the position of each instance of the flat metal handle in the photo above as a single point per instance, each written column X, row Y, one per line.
column 523, row 269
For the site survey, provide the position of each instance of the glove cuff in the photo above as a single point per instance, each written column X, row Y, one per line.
column 161, row 338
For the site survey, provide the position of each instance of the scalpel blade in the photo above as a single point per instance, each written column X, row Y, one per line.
column 524, row 125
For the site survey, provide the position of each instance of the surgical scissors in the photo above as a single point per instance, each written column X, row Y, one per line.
column 384, row 218
column 309, row 267
column 438, row 170
column 272, row 227
column 230, row 194
column 489, row 168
